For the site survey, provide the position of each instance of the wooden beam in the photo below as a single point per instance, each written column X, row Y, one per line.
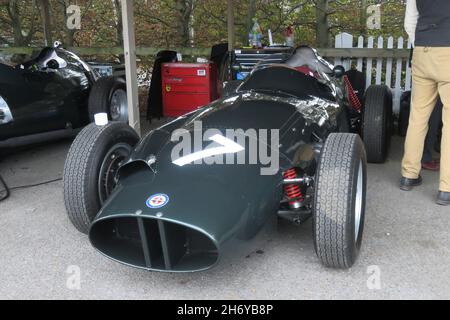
column 364, row 53
column 92, row 51
column 148, row 51
column 129, row 42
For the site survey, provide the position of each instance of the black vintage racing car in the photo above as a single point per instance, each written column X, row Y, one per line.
column 148, row 205
column 53, row 95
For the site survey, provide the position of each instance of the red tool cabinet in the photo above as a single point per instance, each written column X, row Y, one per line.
column 187, row 86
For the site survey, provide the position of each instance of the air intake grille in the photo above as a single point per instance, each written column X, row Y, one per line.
column 154, row 244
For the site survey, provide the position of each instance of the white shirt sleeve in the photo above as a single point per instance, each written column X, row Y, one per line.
column 411, row 18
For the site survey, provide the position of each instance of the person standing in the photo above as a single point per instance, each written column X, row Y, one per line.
column 428, row 24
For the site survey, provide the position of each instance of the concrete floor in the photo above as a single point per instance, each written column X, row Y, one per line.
column 407, row 241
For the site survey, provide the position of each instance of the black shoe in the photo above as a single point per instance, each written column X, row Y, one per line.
column 443, row 198
column 408, row 184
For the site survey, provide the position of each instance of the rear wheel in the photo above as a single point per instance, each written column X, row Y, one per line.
column 340, row 198
column 377, row 123
column 90, row 169
column 109, row 95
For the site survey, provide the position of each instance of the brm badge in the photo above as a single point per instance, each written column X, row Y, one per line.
column 158, row 201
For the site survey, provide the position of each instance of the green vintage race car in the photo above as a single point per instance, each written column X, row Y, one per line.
column 147, row 205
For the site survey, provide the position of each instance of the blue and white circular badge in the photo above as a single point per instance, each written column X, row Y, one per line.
column 158, row 201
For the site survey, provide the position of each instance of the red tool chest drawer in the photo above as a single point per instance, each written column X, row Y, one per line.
column 187, row 86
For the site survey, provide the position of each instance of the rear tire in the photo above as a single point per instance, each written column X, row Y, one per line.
column 89, row 171
column 109, row 95
column 377, row 123
column 340, row 198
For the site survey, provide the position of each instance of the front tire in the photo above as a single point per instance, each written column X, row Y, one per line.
column 340, row 198
column 91, row 167
column 377, row 123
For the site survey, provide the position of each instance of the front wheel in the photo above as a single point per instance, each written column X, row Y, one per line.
column 91, row 167
column 340, row 200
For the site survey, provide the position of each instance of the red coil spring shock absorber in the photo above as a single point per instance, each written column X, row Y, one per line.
column 293, row 191
column 352, row 96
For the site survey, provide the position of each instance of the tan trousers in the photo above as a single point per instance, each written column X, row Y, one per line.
column 431, row 77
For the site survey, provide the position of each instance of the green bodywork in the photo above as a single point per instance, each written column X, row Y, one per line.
column 212, row 206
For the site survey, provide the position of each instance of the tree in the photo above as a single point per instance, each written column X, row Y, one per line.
column 21, row 19
column 44, row 8
column 251, row 13
column 184, row 10
column 171, row 23
column 322, row 24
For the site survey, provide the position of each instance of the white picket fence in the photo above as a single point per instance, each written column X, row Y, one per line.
column 395, row 74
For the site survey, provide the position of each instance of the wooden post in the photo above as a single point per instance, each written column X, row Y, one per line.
column 129, row 42
column 230, row 22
